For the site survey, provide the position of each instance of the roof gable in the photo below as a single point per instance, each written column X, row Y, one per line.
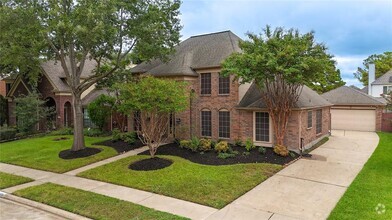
column 307, row 99
column 385, row 79
column 348, row 96
column 196, row 52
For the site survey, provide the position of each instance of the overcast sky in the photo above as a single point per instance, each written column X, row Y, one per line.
column 351, row 29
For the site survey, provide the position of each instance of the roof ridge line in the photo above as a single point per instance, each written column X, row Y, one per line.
column 202, row 35
column 364, row 94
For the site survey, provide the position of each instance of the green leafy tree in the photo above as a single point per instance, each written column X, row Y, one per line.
column 100, row 110
column 280, row 63
column 383, row 64
column 73, row 31
column 29, row 110
column 155, row 99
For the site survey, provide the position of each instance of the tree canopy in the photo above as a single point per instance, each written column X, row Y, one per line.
column 75, row 31
column 280, row 62
column 100, row 110
column 383, row 63
column 155, row 100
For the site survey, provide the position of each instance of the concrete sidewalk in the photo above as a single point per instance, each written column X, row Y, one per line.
column 148, row 199
column 307, row 189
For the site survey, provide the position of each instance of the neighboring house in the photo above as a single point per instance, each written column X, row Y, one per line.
column 5, row 84
column 221, row 108
column 378, row 87
column 53, row 88
column 354, row 110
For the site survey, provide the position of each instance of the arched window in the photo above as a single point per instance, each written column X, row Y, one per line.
column 224, row 123
column 206, row 123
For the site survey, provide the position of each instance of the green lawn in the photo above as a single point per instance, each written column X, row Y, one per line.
column 90, row 204
column 214, row 186
column 372, row 186
column 8, row 180
column 42, row 153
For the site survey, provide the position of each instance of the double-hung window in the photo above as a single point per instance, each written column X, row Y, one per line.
column 224, row 84
column 205, row 83
column 319, row 121
column 224, row 124
column 206, row 123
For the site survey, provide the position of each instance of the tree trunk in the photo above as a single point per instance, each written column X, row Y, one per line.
column 78, row 141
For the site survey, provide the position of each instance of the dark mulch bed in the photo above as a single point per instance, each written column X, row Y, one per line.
column 211, row 157
column 121, row 146
column 86, row 152
column 155, row 163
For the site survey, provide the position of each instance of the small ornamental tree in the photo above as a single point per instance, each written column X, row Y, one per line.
column 100, row 110
column 155, row 99
column 3, row 110
column 280, row 63
column 29, row 110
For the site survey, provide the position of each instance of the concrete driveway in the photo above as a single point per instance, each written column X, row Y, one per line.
column 309, row 188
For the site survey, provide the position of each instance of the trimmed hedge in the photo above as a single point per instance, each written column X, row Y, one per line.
column 7, row 133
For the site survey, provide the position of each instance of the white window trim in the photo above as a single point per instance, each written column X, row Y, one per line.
column 265, row 143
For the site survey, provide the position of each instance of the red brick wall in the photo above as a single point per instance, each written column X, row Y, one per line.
column 190, row 119
column 2, row 88
column 310, row 135
column 296, row 128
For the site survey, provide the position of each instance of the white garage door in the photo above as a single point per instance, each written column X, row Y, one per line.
column 356, row 120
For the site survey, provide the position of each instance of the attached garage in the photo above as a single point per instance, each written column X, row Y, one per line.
column 354, row 110
column 353, row 119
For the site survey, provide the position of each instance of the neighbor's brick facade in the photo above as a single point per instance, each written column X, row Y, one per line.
column 46, row 91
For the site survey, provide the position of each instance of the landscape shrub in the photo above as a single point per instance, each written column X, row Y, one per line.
column 205, row 144
column 93, row 132
column 238, row 142
column 194, row 145
column 222, row 146
column 245, row 153
column 223, row 155
column 281, row 150
column 62, row 131
column 7, row 133
column 262, row 150
column 127, row 137
column 185, row 144
column 249, row 144
column 292, row 154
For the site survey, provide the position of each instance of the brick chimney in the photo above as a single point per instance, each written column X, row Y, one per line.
column 372, row 77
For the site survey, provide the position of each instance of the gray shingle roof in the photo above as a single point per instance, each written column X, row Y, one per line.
column 56, row 74
column 365, row 89
column 385, row 79
column 93, row 95
column 348, row 96
column 307, row 99
column 200, row 51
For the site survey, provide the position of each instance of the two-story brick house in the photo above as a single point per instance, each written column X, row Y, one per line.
column 221, row 107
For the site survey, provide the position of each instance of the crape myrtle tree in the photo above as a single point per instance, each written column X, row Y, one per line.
column 73, row 31
column 155, row 99
column 280, row 62
column 383, row 63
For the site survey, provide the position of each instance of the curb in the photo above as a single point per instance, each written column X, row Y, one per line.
column 43, row 207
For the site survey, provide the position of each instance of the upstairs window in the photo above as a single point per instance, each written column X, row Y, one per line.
column 319, row 121
column 205, row 83
column 310, row 120
column 224, row 85
column 386, row 90
column 206, row 123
